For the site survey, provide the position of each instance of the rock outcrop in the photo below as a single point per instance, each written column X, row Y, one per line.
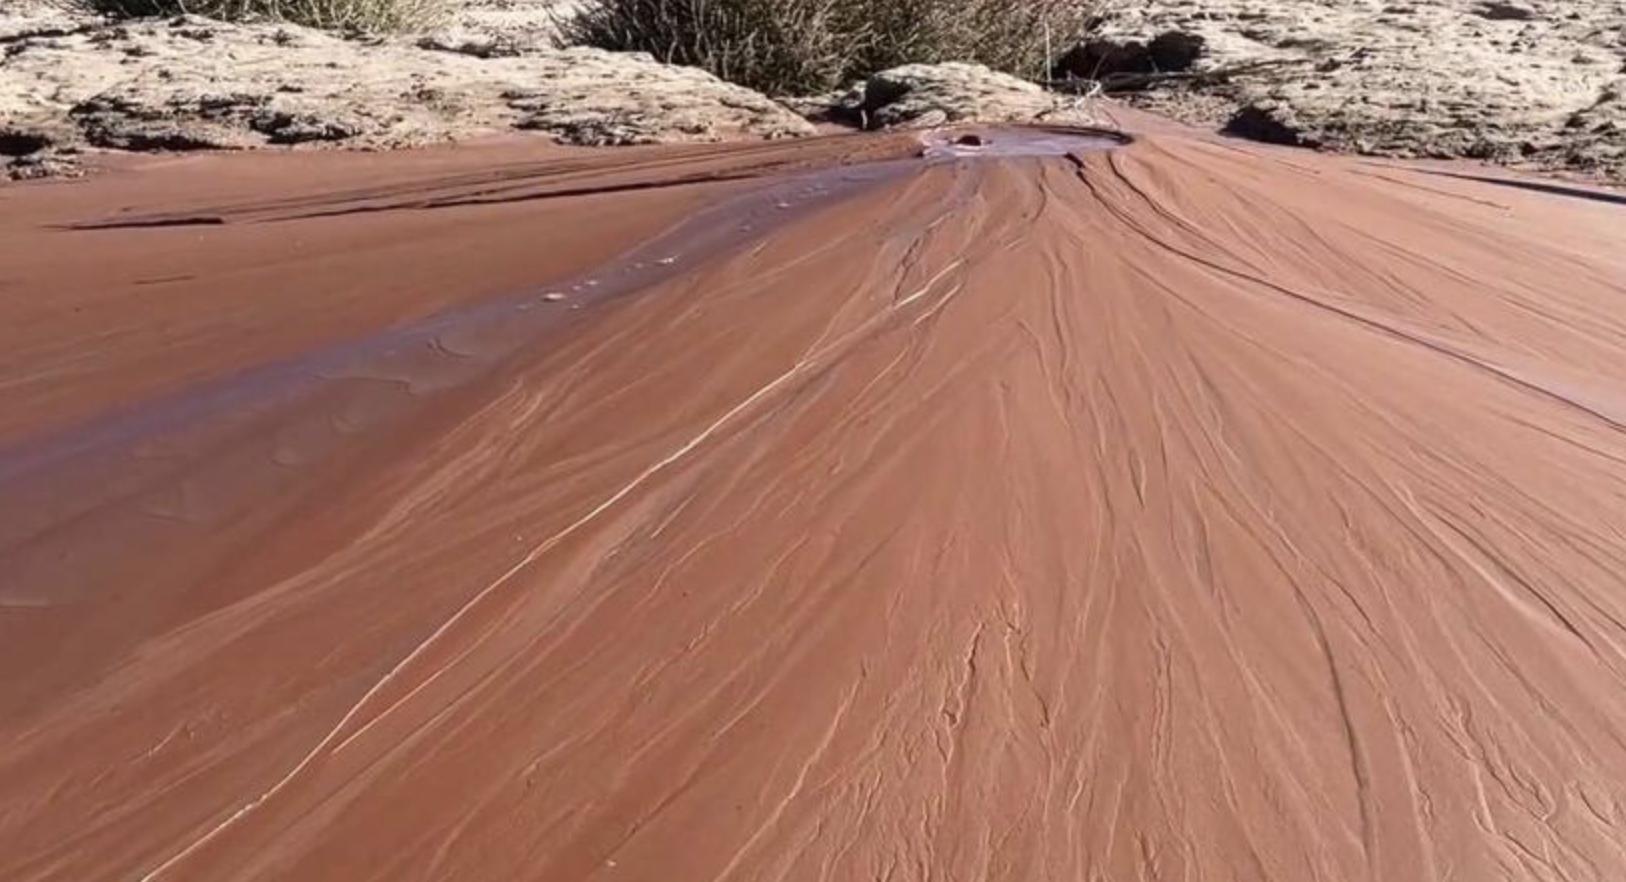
column 928, row 95
column 192, row 83
column 1099, row 59
column 1531, row 82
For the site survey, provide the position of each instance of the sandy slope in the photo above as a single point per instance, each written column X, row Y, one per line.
column 1187, row 511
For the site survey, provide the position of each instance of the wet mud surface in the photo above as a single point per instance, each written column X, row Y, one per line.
column 1045, row 507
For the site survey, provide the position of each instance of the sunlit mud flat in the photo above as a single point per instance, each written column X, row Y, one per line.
column 1007, row 504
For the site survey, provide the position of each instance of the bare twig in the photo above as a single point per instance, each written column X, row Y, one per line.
column 1132, row 82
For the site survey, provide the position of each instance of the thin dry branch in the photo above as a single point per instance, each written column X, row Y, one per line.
column 1134, row 82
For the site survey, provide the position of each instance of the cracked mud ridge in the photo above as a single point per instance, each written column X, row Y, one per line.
column 814, row 510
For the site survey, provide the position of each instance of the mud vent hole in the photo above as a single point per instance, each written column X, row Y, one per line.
column 970, row 141
column 21, row 143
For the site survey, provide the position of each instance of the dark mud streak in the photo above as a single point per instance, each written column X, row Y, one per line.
column 1545, row 187
column 146, row 223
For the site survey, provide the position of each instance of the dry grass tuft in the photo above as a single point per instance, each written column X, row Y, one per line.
column 370, row 16
column 801, row 46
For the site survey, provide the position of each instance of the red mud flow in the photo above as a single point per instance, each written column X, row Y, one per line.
column 1044, row 510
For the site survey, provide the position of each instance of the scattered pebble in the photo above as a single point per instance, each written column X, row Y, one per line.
column 553, row 297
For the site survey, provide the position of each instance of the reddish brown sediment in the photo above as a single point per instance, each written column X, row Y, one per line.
column 1188, row 510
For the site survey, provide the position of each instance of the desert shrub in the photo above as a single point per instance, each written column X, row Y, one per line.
column 801, row 46
column 344, row 15
column 772, row 45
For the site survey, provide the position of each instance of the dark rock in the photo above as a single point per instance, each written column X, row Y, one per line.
column 1102, row 58
column 1497, row 10
column 219, row 106
column 115, row 122
column 16, row 142
column 1262, row 123
column 39, row 165
column 153, row 136
column 477, row 47
column 1174, row 51
column 285, row 127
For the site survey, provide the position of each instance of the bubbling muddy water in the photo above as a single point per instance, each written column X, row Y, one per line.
column 1010, row 143
column 1051, row 507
